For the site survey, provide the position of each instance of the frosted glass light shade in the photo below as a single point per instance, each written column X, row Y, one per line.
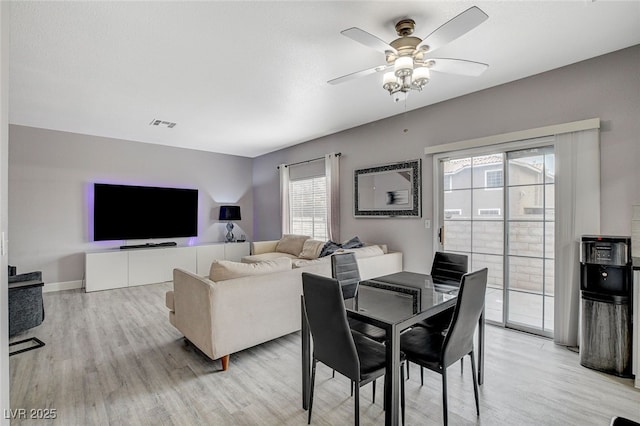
column 403, row 66
column 390, row 82
column 421, row 76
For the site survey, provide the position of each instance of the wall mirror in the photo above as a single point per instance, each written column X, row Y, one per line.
column 391, row 190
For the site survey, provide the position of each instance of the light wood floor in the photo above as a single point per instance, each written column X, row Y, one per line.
column 112, row 357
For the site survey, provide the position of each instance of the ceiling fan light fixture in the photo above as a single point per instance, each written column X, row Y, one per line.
column 403, row 66
column 408, row 55
column 390, row 82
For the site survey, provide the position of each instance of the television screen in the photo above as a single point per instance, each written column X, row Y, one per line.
column 124, row 212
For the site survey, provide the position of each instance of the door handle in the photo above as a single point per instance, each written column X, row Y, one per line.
column 441, row 235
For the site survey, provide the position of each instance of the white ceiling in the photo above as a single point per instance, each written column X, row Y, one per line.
column 250, row 77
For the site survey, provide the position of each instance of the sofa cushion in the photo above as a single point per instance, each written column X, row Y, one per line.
column 291, row 243
column 256, row 258
column 302, row 263
column 222, row 270
column 366, row 251
column 311, row 249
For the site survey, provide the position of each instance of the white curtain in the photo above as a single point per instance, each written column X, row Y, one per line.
column 577, row 212
column 284, row 198
column 332, row 173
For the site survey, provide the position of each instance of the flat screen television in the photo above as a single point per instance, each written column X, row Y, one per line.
column 126, row 212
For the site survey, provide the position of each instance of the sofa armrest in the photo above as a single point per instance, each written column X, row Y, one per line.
column 193, row 305
column 260, row 247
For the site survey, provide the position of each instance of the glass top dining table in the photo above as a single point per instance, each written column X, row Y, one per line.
column 393, row 303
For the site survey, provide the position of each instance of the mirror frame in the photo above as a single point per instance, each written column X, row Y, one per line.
column 415, row 196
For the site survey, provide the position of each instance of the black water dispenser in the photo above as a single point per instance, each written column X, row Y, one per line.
column 606, row 284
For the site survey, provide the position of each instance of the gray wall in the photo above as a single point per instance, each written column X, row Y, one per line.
column 607, row 87
column 51, row 173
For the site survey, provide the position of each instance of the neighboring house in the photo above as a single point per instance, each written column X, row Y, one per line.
column 486, row 179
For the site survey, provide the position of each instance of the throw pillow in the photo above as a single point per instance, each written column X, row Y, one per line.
column 222, row 270
column 311, row 249
column 352, row 243
column 329, row 247
column 291, row 243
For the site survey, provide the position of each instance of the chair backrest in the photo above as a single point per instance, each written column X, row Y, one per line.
column 332, row 340
column 448, row 268
column 459, row 339
column 621, row 421
column 344, row 268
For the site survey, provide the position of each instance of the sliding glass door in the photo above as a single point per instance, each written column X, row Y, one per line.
column 530, row 244
column 497, row 208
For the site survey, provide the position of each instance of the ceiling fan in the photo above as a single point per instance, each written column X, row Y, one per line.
column 408, row 60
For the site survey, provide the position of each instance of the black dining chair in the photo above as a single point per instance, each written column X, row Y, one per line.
column 349, row 353
column 344, row 268
column 436, row 350
column 621, row 421
column 447, row 269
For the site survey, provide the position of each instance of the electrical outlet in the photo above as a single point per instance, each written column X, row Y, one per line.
column 427, row 224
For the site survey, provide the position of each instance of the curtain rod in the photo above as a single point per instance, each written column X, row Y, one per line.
column 337, row 154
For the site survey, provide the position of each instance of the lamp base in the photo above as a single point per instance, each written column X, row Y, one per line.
column 229, row 237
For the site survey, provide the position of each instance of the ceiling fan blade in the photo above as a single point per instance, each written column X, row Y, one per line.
column 359, row 74
column 457, row 66
column 368, row 40
column 454, row 28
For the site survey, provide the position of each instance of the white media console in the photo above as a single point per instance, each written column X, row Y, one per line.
column 108, row 269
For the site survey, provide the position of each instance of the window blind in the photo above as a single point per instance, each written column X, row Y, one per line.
column 308, row 207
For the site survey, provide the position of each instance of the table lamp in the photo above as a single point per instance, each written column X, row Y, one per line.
column 228, row 214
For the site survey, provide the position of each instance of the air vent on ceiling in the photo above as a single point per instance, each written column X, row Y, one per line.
column 162, row 123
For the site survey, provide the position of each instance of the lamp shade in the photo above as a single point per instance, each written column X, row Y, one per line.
column 228, row 213
column 403, row 66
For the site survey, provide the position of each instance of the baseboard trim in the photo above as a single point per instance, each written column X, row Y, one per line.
column 66, row 285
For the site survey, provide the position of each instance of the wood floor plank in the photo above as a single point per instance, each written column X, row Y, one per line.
column 112, row 357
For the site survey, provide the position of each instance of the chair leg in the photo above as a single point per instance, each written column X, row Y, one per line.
column 357, row 405
column 352, row 388
column 444, row 396
column 402, row 392
column 408, row 376
column 313, row 381
column 421, row 376
column 333, row 374
column 374, row 391
column 462, row 366
column 475, row 381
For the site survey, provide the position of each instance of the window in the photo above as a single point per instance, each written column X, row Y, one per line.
column 493, row 179
column 308, row 207
column 488, row 212
column 310, row 198
column 448, row 213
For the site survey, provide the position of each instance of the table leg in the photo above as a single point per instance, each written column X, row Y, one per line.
column 306, row 355
column 481, row 348
column 392, row 379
